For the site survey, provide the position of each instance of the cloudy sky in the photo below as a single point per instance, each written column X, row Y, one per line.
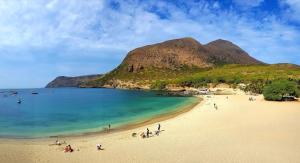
column 42, row 39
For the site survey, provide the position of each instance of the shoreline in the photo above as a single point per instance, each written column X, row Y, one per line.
column 121, row 128
column 238, row 131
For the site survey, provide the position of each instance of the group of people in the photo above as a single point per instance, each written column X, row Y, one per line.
column 148, row 133
column 68, row 148
column 251, row 99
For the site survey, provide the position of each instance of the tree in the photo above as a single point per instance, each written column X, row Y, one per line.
column 277, row 90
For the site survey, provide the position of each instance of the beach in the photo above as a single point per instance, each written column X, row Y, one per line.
column 239, row 130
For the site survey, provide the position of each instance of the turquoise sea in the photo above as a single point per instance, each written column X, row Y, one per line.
column 67, row 111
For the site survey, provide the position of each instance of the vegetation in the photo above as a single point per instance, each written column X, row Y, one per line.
column 279, row 89
column 158, row 85
column 255, row 77
column 255, row 87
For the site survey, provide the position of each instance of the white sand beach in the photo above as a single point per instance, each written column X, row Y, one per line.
column 238, row 131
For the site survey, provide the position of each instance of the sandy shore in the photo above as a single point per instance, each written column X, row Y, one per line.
column 239, row 131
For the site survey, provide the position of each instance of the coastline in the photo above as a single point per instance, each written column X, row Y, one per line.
column 238, row 131
column 125, row 127
column 134, row 125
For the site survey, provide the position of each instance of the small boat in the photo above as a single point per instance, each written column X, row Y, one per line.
column 19, row 101
column 34, row 93
column 13, row 93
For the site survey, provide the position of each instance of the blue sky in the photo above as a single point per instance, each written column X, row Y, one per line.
column 42, row 39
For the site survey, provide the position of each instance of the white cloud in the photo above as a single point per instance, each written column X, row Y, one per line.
column 73, row 37
column 293, row 11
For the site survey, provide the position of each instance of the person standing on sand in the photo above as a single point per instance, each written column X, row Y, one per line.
column 158, row 127
column 148, row 132
column 215, row 106
column 108, row 126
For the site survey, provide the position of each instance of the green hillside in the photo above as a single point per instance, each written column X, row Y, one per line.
column 196, row 77
column 234, row 74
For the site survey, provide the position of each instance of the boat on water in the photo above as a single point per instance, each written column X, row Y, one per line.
column 19, row 101
column 34, row 93
column 13, row 92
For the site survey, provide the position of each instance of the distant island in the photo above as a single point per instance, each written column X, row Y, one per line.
column 185, row 63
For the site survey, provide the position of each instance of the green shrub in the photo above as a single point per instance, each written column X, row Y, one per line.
column 158, row 85
column 255, row 87
column 280, row 88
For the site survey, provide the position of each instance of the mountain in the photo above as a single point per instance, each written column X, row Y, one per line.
column 171, row 59
column 174, row 54
column 63, row 81
column 225, row 52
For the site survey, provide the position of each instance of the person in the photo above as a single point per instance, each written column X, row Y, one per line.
column 148, row 132
column 71, row 149
column 158, row 127
column 157, row 133
column 250, row 98
column 108, row 126
column 98, row 147
column 215, row 106
column 57, row 142
column 143, row 135
column 133, row 134
column 68, row 148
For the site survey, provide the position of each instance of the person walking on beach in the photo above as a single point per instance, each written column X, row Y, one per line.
column 158, row 128
column 109, row 126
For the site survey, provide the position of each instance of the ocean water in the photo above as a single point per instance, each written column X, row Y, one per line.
column 67, row 111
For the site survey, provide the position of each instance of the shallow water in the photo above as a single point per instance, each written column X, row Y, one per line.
column 72, row 110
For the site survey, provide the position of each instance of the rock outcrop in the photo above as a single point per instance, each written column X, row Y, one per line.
column 64, row 81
